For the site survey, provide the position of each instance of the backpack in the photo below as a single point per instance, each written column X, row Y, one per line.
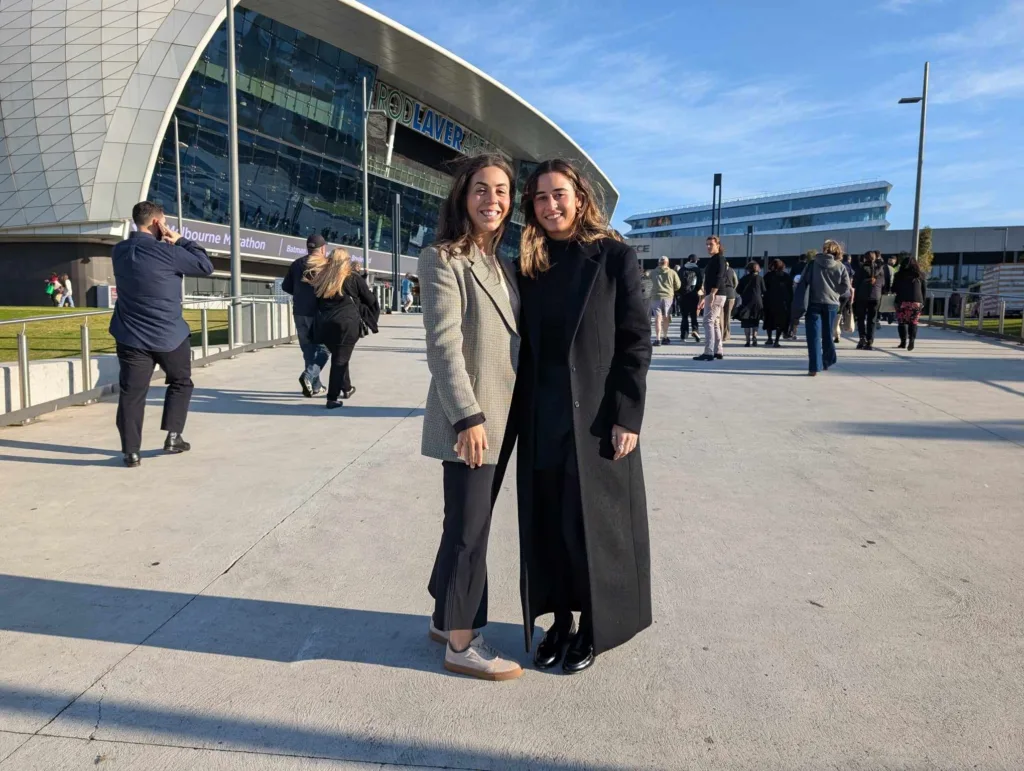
column 691, row 280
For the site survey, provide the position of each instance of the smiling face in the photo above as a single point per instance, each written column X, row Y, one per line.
column 556, row 205
column 488, row 202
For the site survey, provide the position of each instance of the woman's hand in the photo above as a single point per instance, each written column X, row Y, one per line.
column 471, row 446
column 624, row 441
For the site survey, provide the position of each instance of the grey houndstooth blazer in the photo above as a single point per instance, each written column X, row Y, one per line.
column 472, row 346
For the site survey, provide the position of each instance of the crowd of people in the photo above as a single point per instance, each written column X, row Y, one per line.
column 826, row 290
column 60, row 290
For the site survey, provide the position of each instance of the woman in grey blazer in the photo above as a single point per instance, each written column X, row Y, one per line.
column 470, row 311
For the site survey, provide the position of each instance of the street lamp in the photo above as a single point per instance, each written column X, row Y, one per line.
column 178, row 147
column 366, row 179
column 923, row 99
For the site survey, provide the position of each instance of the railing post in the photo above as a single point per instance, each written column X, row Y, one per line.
column 981, row 313
column 945, row 311
column 252, row 320
column 231, row 327
column 963, row 312
column 1002, row 316
column 23, row 373
column 291, row 329
column 86, row 359
column 931, row 307
column 204, row 322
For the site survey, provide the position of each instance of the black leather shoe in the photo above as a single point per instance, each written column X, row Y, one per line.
column 333, row 405
column 176, row 444
column 579, row 655
column 132, row 460
column 703, row 357
column 719, row 356
column 551, row 649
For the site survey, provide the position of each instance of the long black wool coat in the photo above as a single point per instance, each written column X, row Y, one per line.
column 609, row 356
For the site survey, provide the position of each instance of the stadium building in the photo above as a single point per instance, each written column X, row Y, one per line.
column 89, row 90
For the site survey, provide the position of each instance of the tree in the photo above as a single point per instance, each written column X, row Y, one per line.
column 924, row 250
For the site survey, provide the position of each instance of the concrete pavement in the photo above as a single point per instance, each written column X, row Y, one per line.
column 836, row 565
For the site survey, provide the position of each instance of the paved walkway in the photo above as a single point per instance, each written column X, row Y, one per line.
column 836, row 563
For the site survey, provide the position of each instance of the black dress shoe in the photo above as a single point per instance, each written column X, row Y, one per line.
column 175, row 444
column 719, row 356
column 551, row 649
column 580, row 654
column 333, row 405
column 703, row 357
column 132, row 460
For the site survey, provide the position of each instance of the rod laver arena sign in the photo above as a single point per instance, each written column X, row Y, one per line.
column 425, row 120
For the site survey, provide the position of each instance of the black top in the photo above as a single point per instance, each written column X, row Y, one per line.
column 304, row 297
column 148, row 276
column 751, row 289
column 716, row 275
column 343, row 310
column 863, row 285
column 909, row 288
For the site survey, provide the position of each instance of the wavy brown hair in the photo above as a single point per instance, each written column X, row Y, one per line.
column 454, row 227
column 327, row 274
column 718, row 243
column 833, row 248
column 590, row 224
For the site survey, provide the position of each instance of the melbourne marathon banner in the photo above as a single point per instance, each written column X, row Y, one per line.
column 276, row 248
column 425, row 120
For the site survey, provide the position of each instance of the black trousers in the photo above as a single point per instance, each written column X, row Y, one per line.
column 560, row 515
column 458, row 582
column 688, row 309
column 341, row 349
column 136, row 373
column 867, row 315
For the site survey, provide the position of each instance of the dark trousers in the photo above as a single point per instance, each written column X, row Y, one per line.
column 556, row 493
column 341, row 350
column 314, row 355
column 688, row 309
column 867, row 314
column 821, row 349
column 458, row 582
column 136, row 373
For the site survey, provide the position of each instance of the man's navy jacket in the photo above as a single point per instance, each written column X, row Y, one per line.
column 148, row 273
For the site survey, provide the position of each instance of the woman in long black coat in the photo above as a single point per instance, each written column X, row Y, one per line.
column 751, row 291
column 577, row 412
column 778, row 301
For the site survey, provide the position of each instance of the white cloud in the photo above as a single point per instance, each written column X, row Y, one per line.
column 903, row 6
column 979, row 83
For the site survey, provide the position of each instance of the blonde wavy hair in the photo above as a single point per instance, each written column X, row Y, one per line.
column 590, row 224
column 327, row 274
column 834, row 248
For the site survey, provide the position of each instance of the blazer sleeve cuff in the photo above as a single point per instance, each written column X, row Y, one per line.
column 471, row 422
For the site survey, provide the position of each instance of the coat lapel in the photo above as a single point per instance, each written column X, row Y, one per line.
column 484, row 275
column 579, row 293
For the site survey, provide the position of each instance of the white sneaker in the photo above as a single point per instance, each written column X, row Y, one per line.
column 481, row 661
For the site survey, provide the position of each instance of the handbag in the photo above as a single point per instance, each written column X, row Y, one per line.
column 888, row 304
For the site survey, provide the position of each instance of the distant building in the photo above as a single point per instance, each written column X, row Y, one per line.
column 857, row 206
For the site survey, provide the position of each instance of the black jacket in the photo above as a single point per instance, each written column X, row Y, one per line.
column 148, row 276
column 910, row 288
column 304, row 298
column 863, row 286
column 751, row 289
column 346, row 312
column 716, row 275
column 608, row 339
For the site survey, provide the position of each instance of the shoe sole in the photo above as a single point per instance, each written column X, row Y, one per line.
column 494, row 677
column 174, row 450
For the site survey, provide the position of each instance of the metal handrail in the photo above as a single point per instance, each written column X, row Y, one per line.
column 84, row 314
column 987, row 305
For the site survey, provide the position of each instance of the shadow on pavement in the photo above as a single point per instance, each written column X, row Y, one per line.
column 109, row 457
column 975, row 431
column 236, row 402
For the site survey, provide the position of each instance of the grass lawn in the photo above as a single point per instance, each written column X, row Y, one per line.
column 1011, row 327
column 62, row 339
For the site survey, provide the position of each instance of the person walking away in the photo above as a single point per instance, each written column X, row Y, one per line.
column 778, row 301
column 148, row 326
column 67, row 294
column 470, row 303
column 891, row 266
column 666, row 284
column 845, row 302
column 314, row 355
column 341, row 293
column 824, row 282
column 751, row 290
column 730, row 303
column 691, row 280
column 911, row 290
column 578, row 412
column 407, row 293
column 868, row 286
column 712, row 304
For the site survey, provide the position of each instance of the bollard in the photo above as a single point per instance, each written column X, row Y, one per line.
column 252, row 320
column 1002, row 316
column 963, row 312
column 86, row 359
column 204, row 322
column 945, row 311
column 981, row 313
column 23, row 374
column 231, row 328
column 291, row 329
column 931, row 307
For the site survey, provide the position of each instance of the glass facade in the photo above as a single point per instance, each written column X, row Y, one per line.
column 781, row 223
column 299, row 142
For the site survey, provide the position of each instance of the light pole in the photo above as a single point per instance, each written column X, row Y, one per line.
column 178, row 147
column 366, row 178
column 234, row 196
column 923, row 99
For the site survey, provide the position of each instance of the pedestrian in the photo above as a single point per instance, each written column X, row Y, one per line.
column 66, row 292
column 314, row 355
column 665, row 285
column 341, row 295
column 751, row 291
column 148, row 326
column 911, row 290
column 845, row 302
column 407, row 285
column 712, row 304
column 691, row 280
column 579, row 406
column 824, row 282
column 868, row 287
column 891, row 266
column 470, row 304
column 778, row 301
column 730, row 302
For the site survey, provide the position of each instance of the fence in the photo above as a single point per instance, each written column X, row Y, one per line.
column 265, row 323
column 989, row 314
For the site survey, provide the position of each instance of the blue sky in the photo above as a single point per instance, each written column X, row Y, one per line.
column 776, row 96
